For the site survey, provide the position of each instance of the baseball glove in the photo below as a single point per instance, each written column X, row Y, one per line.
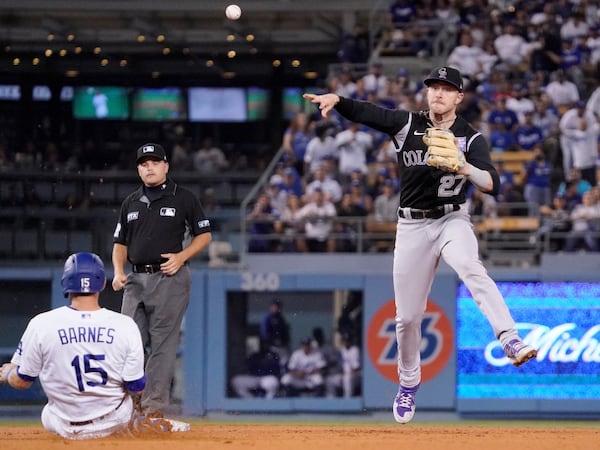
column 443, row 150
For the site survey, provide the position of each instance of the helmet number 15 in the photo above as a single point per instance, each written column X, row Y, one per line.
column 87, row 370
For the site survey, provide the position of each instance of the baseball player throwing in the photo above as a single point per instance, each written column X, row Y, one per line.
column 88, row 359
column 438, row 153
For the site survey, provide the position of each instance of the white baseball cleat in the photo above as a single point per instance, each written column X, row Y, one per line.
column 178, row 426
column 518, row 352
column 404, row 404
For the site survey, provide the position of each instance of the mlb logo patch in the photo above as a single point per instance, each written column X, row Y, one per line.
column 167, row 212
column 203, row 224
column 133, row 216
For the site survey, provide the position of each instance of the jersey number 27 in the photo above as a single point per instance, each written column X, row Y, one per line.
column 450, row 185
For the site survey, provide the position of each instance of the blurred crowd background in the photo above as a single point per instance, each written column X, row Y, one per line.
column 531, row 71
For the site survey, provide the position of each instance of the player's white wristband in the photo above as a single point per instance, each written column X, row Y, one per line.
column 480, row 178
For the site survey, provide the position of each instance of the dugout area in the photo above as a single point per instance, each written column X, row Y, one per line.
column 463, row 374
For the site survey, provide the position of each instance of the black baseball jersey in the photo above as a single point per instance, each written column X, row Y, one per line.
column 422, row 186
column 149, row 228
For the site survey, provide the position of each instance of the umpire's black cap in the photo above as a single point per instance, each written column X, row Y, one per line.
column 445, row 74
column 150, row 150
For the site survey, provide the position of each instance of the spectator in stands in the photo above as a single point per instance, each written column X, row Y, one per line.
column 510, row 200
column 545, row 58
column 262, row 222
column 562, row 92
column 501, row 115
column 344, row 84
column 555, row 223
column 520, row 101
column 318, row 215
column 545, row 117
column 502, row 139
column 292, row 183
column 401, row 13
column 578, row 141
column 304, row 371
column 487, row 60
column 593, row 104
column 466, row 57
column 575, row 26
column 593, row 44
column 446, row 13
column 277, row 196
column 375, row 186
column 291, row 226
column 209, row 159
column 348, row 229
column 481, row 205
column 402, row 83
column 262, row 377
column 376, row 80
column 537, row 175
column 574, row 177
column 505, row 176
column 352, row 148
column 319, row 146
column 354, row 45
column 361, row 92
column 527, row 134
column 471, row 106
column 330, row 186
column 510, row 47
column 585, row 218
column 359, row 195
column 386, row 204
column 295, row 139
column 573, row 58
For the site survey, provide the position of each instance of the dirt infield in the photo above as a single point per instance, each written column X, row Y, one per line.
column 463, row 436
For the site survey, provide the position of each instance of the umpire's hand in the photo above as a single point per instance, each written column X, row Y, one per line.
column 173, row 263
column 118, row 282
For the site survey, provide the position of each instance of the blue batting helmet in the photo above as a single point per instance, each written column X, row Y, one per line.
column 83, row 274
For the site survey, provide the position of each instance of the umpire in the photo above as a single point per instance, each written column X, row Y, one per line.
column 149, row 235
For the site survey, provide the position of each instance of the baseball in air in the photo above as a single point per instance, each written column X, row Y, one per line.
column 233, row 12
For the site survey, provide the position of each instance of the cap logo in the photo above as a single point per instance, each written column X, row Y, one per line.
column 443, row 73
column 147, row 148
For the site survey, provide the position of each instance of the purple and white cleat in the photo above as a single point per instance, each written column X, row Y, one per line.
column 518, row 351
column 404, row 404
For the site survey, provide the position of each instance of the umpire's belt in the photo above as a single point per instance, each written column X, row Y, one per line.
column 88, row 422
column 434, row 213
column 145, row 268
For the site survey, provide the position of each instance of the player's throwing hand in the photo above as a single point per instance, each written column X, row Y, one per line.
column 326, row 102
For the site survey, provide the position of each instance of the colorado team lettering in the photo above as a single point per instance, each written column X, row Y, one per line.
column 73, row 335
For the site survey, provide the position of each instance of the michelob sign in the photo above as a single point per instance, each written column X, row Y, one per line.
column 561, row 320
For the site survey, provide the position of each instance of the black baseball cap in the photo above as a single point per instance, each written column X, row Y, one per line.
column 150, row 150
column 447, row 75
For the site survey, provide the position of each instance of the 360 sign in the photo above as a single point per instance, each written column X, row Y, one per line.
column 436, row 344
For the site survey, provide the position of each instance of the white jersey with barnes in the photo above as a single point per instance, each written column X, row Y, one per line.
column 423, row 187
column 75, row 353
